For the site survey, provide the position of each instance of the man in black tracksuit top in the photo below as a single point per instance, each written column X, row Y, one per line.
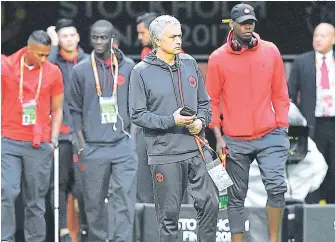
column 65, row 53
column 108, row 160
column 160, row 86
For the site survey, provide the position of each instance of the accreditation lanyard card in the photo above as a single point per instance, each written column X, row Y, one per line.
column 29, row 113
column 108, row 110
column 219, row 174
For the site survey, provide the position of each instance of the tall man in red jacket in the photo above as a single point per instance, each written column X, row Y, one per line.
column 247, row 75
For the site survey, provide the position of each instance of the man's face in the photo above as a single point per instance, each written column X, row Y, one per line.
column 324, row 38
column 143, row 35
column 38, row 53
column 244, row 30
column 171, row 39
column 101, row 39
column 68, row 38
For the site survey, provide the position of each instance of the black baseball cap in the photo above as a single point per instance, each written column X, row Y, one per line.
column 242, row 12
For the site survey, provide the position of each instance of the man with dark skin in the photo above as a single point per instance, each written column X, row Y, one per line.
column 31, row 86
column 65, row 53
column 107, row 154
column 255, row 117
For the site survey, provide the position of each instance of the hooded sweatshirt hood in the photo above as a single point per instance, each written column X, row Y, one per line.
column 152, row 59
column 230, row 38
column 157, row 91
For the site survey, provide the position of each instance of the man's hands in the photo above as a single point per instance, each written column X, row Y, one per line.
column 195, row 127
column 182, row 120
column 80, row 141
column 284, row 129
column 220, row 143
column 51, row 31
column 193, row 124
column 52, row 146
column 220, row 147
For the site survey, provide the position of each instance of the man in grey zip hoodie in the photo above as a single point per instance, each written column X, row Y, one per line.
column 160, row 86
column 108, row 158
column 65, row 53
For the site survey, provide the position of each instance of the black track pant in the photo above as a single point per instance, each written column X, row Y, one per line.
column 170, row 182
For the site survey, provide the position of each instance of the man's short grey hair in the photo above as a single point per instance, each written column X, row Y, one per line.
column 157, row 26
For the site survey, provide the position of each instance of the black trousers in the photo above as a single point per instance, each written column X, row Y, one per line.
column 144, row 185
column 66, row 179
column 170, row 182
column 325, row 140
column 108, row 179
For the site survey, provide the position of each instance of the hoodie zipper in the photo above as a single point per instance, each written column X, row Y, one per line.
column 252, row 94
column 111, row 73
column 104, row 72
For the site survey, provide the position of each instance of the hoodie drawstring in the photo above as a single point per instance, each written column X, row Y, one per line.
column 197, row 139
column 179, row 85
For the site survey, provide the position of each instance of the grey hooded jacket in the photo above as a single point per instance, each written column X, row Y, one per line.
column 84, row 104
column 155, row 95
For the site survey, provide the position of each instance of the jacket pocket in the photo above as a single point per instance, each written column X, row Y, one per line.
column 150, row 140
column 173, row 143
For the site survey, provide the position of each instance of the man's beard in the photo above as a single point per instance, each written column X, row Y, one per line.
column 246, row 41
column 148, row 45
column 243, row 41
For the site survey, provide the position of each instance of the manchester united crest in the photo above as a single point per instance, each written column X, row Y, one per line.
column 192, row 81
column 159, row 177
column 120, row 80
